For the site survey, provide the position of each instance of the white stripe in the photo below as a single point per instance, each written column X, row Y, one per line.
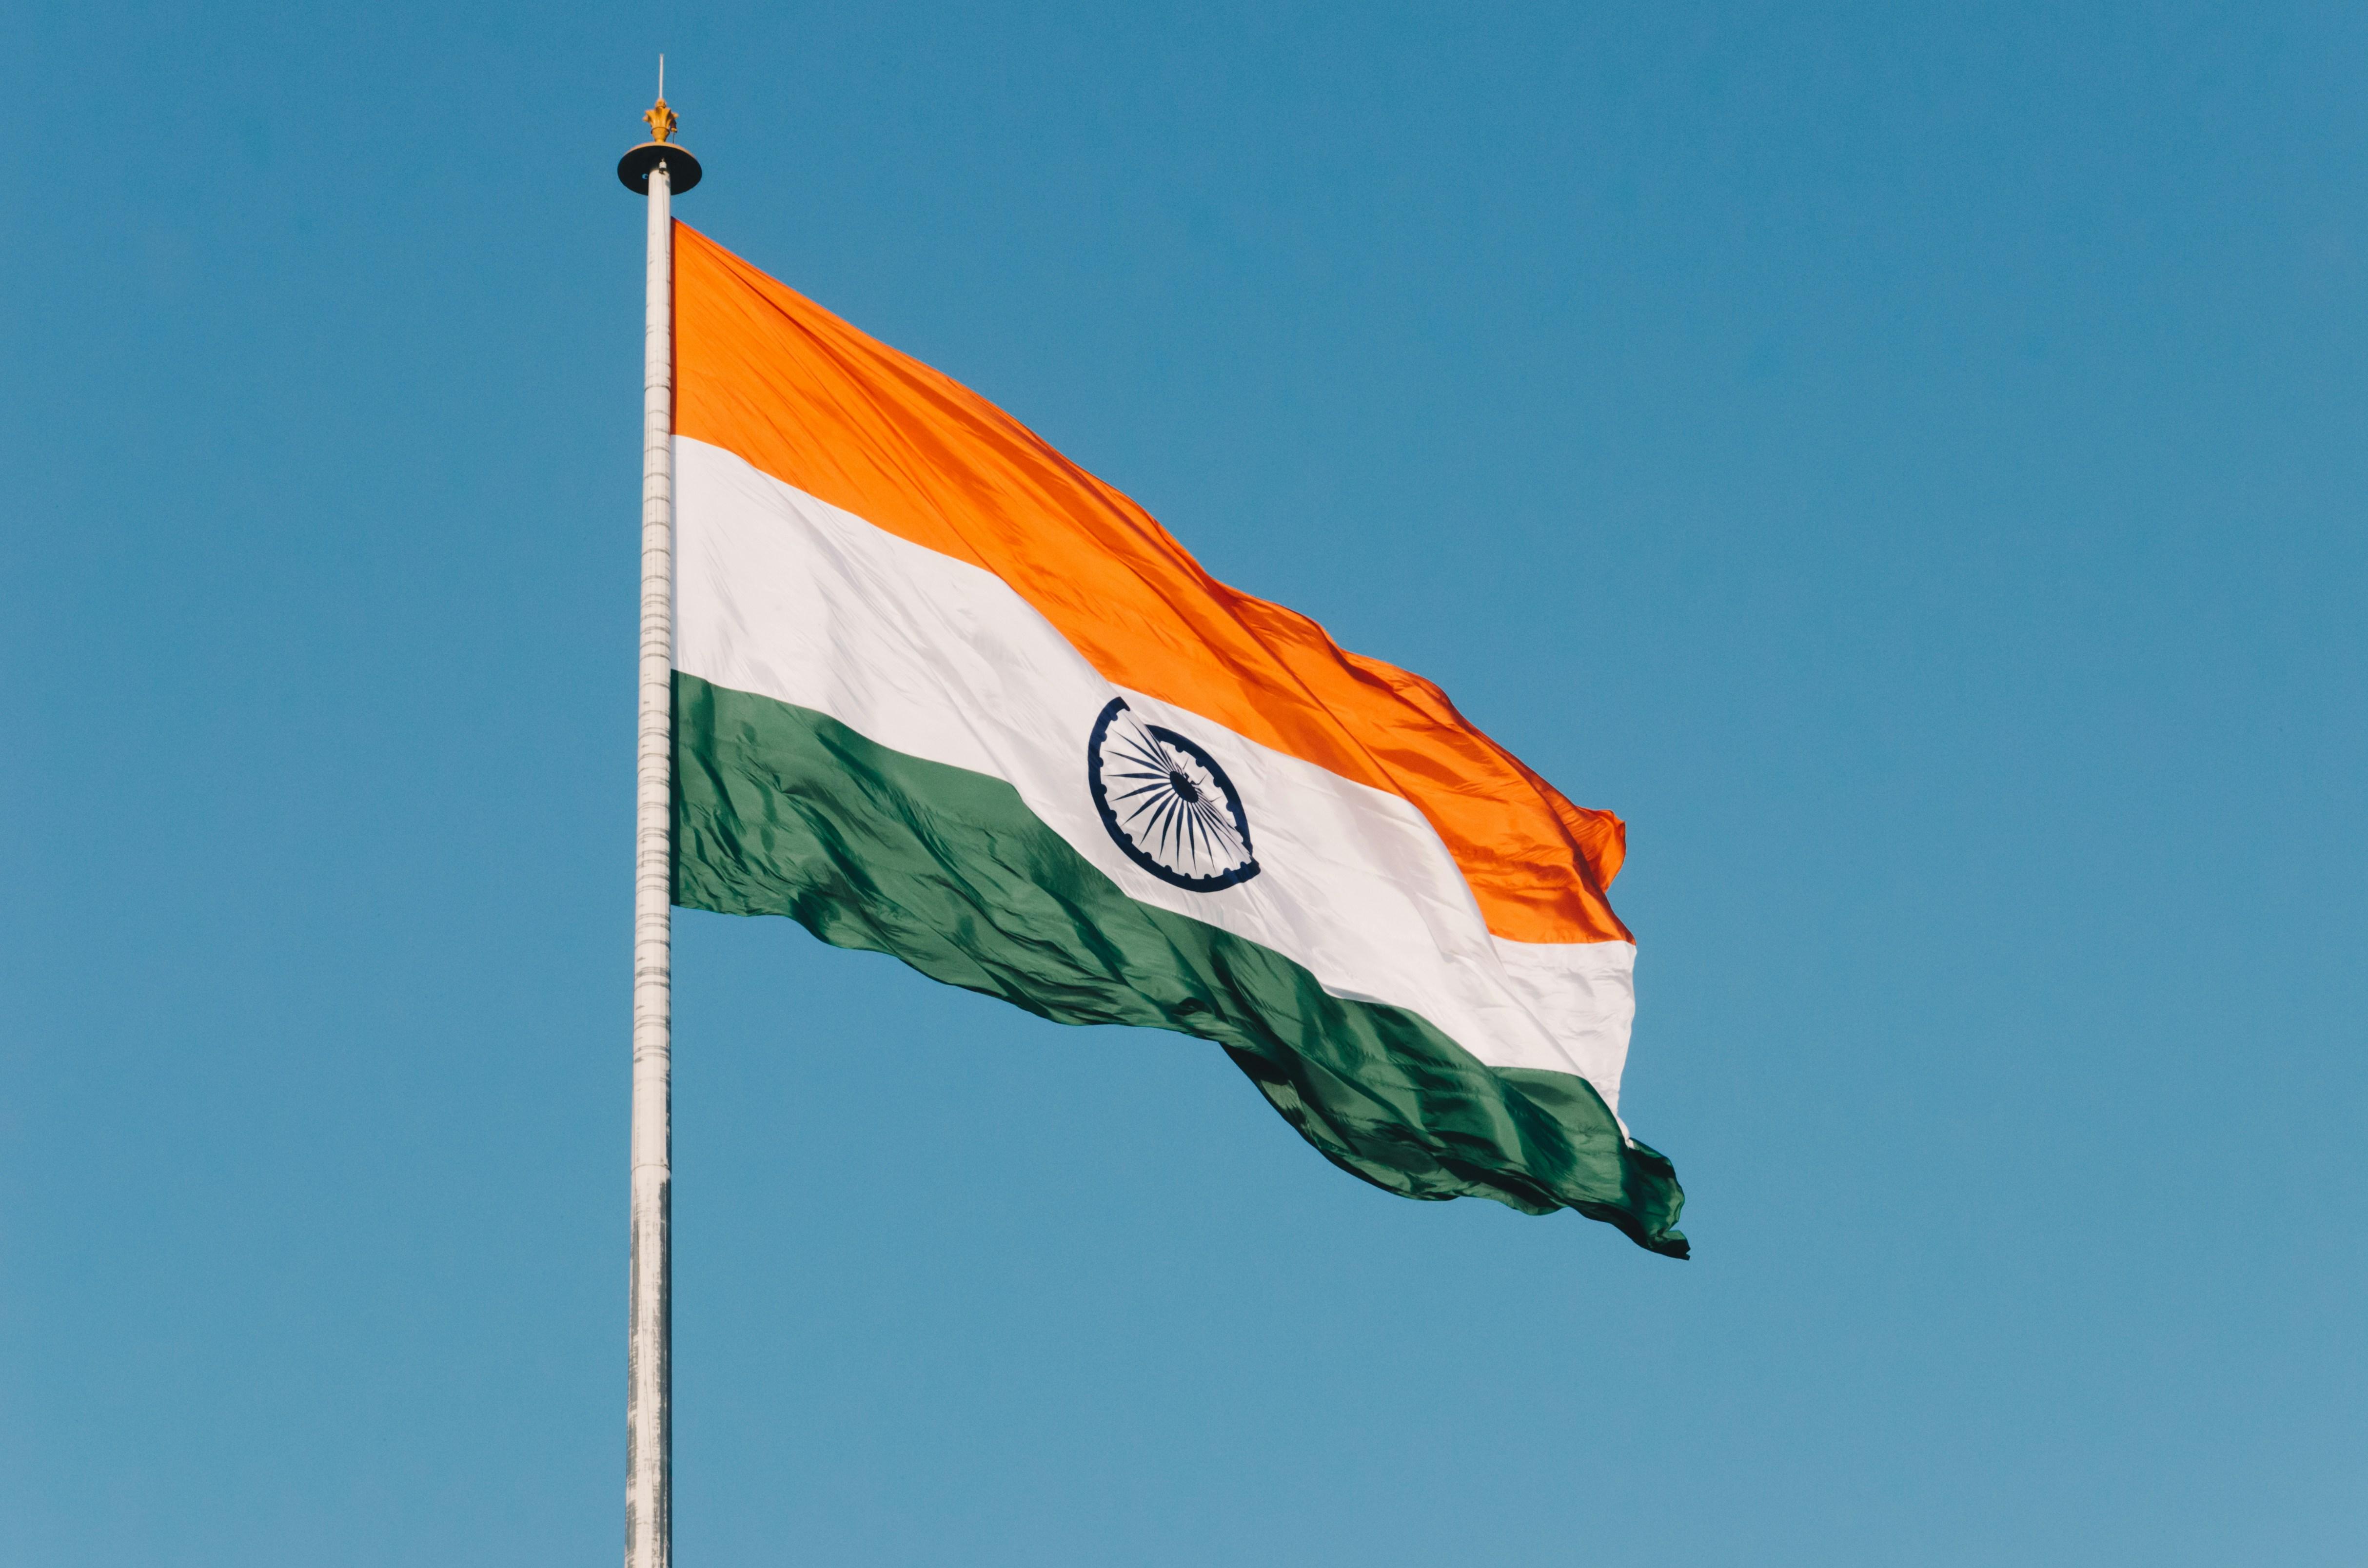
column 784, row 595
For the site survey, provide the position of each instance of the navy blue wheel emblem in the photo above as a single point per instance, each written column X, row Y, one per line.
column 1167, row 804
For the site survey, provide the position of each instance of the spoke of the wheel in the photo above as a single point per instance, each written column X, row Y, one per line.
column 1148, row 752
column 1220, row 830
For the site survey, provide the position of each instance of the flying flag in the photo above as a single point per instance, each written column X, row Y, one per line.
column 940, row 693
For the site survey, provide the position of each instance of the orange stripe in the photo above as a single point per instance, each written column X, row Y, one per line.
column 767, row 374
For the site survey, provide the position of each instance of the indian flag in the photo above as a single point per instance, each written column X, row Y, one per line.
column 940, row 693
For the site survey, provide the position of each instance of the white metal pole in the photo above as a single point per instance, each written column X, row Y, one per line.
column 649, row 1427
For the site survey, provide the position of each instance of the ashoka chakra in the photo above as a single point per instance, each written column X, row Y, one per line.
column 1167, row 804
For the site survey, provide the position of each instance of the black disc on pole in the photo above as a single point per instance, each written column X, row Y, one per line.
column 634, row 168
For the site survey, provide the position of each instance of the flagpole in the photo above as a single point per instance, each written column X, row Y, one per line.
column 658, row 169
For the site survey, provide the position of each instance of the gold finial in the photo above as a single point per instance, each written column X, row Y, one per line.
column 661, row 118
column 660, row 152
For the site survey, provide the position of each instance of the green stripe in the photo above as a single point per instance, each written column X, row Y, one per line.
column 779, row 810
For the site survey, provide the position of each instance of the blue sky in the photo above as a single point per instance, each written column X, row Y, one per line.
column 1907, row 460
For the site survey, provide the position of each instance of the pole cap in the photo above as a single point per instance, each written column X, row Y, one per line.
column 634, row 168
column 682, row 169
